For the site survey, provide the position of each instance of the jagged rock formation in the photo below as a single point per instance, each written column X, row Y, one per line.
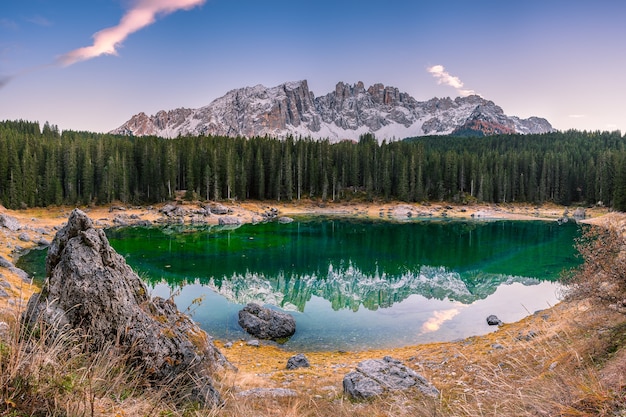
column 265, row 323
column 91, row 289
column 346, row 113
column 374, row 377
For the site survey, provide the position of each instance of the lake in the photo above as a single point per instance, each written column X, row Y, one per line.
column 354, row 284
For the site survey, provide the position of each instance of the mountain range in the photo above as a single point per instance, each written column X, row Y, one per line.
column 344, row 114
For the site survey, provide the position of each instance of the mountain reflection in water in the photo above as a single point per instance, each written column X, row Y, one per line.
column 352, row 264
column 352, row 284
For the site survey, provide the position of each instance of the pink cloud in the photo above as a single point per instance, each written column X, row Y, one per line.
column 143, row 13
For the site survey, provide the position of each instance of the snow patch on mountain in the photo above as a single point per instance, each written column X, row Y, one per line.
column 344, row 114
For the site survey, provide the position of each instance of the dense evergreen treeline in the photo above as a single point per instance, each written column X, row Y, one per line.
column 44, row 167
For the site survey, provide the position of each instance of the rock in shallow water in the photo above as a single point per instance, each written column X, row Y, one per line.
column 265, row 323
column 493, row 320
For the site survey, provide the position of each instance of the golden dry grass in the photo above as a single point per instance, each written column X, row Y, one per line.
column 568, row 360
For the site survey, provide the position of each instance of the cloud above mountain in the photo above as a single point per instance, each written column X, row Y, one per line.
column 444, row 77
column 143, row 13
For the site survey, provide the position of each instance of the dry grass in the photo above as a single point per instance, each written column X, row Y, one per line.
column 565, row 361
column 546, row 365
column 44, row 373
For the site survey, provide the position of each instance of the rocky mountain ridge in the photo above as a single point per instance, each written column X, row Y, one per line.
column 346, row 113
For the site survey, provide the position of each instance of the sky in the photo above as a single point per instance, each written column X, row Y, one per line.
column 92, row 64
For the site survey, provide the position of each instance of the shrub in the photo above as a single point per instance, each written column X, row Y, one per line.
column 602, row 276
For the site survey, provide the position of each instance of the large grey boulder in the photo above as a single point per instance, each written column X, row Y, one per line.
column 374, row 377
column 90, row 288
column 265, row 323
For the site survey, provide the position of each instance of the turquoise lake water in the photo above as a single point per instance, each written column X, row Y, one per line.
column 354, row 284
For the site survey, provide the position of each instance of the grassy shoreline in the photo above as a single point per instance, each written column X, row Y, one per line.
column 551, row 363
column 40, row 223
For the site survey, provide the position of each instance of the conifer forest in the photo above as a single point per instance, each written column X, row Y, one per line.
column 42, row 167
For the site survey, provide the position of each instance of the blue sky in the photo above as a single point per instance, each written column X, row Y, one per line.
column 562, row 60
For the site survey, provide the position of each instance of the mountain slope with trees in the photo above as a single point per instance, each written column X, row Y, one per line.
column 40, row 167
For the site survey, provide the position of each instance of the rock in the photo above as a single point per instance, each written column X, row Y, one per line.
column 270, row 213
column 228, row 345
column 10, row 223
column 493, row 320
column 5, row 263
column 91, row 289
column 265, row 323
column 143, row 223
column 219, row 209
column 167, row 209
column 3, row 293
column 285, row 220
column 120, row 220
column 253, row 343
column 23, row 275
column 43, row 242
column 298, row 361
column 24, row 237
column 374, row 377
column 579, row 214
column 268, row 392
column 229, row 221
column 179, row 212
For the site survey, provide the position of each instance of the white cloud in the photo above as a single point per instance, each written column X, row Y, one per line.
column 143, row 13
column 577, row 116
column 443, row 77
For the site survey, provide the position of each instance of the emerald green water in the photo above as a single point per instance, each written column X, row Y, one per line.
column 356, row 284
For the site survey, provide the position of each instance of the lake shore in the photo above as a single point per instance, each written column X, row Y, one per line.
column 469, row 372
column 37, row 226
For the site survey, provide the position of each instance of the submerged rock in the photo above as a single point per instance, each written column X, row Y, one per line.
column 265, row 323
column 91, row 289
column 374, row 377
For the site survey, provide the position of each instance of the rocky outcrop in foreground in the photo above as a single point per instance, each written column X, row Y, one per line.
column 90, row 289
column 374, row 377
